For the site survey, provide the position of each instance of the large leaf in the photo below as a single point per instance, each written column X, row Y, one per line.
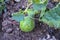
column 1, row 0
column 1, row 7
column 18, row 16
column 52, row 17
column 39, row 5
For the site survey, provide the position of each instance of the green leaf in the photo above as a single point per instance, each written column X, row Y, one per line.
column 42, row 13
column 52, row 17
column 41, row 6
column 1, row 0
column 18, row 16
column 30, row 12
column 1, row 8
column 36, row 1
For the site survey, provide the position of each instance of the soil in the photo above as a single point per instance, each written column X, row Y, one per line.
column 11, row 29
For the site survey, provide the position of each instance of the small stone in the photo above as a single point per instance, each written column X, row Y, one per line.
column 17, row 0
column 53, row 38
column 17, row 28
column 50, row 6
column 4, row 23
column 40, row 39
column 48, row 36
column 9, row 30
column 43, row 39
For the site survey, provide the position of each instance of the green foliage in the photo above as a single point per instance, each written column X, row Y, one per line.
column 2, row 6
column 18, row 16
column 52, row 17
column 1, row 0
column 30, row 12
column 41, row 6
column 26, row 23
column 36, row 1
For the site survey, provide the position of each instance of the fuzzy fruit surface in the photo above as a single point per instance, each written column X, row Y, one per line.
column 27, row 24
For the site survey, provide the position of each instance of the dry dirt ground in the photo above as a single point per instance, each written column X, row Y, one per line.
column 11, row 29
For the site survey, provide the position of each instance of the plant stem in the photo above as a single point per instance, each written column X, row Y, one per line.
column 27, row 7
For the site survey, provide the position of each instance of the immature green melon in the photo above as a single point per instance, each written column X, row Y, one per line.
column 39, row 1
column 27, row 24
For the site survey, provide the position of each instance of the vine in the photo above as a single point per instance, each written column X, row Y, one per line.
column 51, row 17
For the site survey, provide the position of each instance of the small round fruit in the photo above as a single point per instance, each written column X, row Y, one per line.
column 27, row 24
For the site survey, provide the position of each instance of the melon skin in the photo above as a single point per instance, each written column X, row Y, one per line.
column 27, row 24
